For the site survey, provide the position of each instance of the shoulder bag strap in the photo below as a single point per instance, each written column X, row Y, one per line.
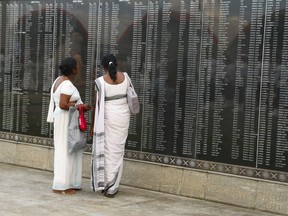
column 129, row 80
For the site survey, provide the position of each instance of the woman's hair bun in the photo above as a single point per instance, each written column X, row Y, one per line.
column 67, row 65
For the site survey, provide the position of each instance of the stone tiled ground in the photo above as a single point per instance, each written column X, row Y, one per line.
column 27, row 192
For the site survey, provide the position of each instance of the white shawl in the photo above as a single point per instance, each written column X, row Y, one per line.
column 50, row 117
column 97, row 176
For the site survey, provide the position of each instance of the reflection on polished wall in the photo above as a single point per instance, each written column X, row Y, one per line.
column 211, row 75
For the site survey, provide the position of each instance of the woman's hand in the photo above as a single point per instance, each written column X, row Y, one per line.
column 86, row 107
column 91, row 130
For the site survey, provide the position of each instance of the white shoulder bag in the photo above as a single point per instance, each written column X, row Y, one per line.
column 76, row 138
column 132, row 97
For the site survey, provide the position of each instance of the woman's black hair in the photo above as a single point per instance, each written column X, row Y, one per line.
column 67, row 65
column 109, row 62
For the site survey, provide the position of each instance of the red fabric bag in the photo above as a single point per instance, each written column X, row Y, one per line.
column 82, row 120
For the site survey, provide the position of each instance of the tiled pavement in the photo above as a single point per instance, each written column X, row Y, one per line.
column 27, row 192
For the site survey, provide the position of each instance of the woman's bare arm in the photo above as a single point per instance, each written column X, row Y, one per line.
column 65, row 103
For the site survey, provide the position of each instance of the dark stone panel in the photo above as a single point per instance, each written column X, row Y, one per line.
column 210, row 74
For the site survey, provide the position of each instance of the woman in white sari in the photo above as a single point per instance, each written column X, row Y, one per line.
column 67, row 167
column 110, row 130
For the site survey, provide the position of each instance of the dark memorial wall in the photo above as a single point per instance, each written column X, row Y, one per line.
column 211, row 75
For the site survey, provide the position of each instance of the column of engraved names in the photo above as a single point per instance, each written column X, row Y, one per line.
column 150, row 76
column 282, row 140
column 7, row 114
column 140, row 9
column 106, row 24
column 63, row 30
column 47, row 64
column 182, row 42
column 205, row 76
column 69, row 28
column 17, row 71
column 98, row 40
column 161, row 143
column 54, row 57
column 27, row 73
column 30, row 29
column 60, row 35
column 40, row 30
column 114, row 28
column 253, row 72
column 268, row 80
column 216, row 143
column 264, row 145
column 91, row 46
column 109, row 21
column 241, row 67
column 191, row 79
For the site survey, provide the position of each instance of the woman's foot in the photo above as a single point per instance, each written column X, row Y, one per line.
column 64, row 192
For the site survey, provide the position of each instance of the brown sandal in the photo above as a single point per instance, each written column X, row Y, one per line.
column 64, row 192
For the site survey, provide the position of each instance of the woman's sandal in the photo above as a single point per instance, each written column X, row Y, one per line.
column 64, row 192
column 76, row 189
column 110, row 195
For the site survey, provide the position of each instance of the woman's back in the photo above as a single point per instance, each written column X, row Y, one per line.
column 115, row 89
column 111, row 127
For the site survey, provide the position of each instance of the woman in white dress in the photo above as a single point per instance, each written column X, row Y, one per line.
column 110, row 130
column 67, row 167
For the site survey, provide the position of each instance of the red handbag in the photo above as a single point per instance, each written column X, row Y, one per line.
column 82, row 120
